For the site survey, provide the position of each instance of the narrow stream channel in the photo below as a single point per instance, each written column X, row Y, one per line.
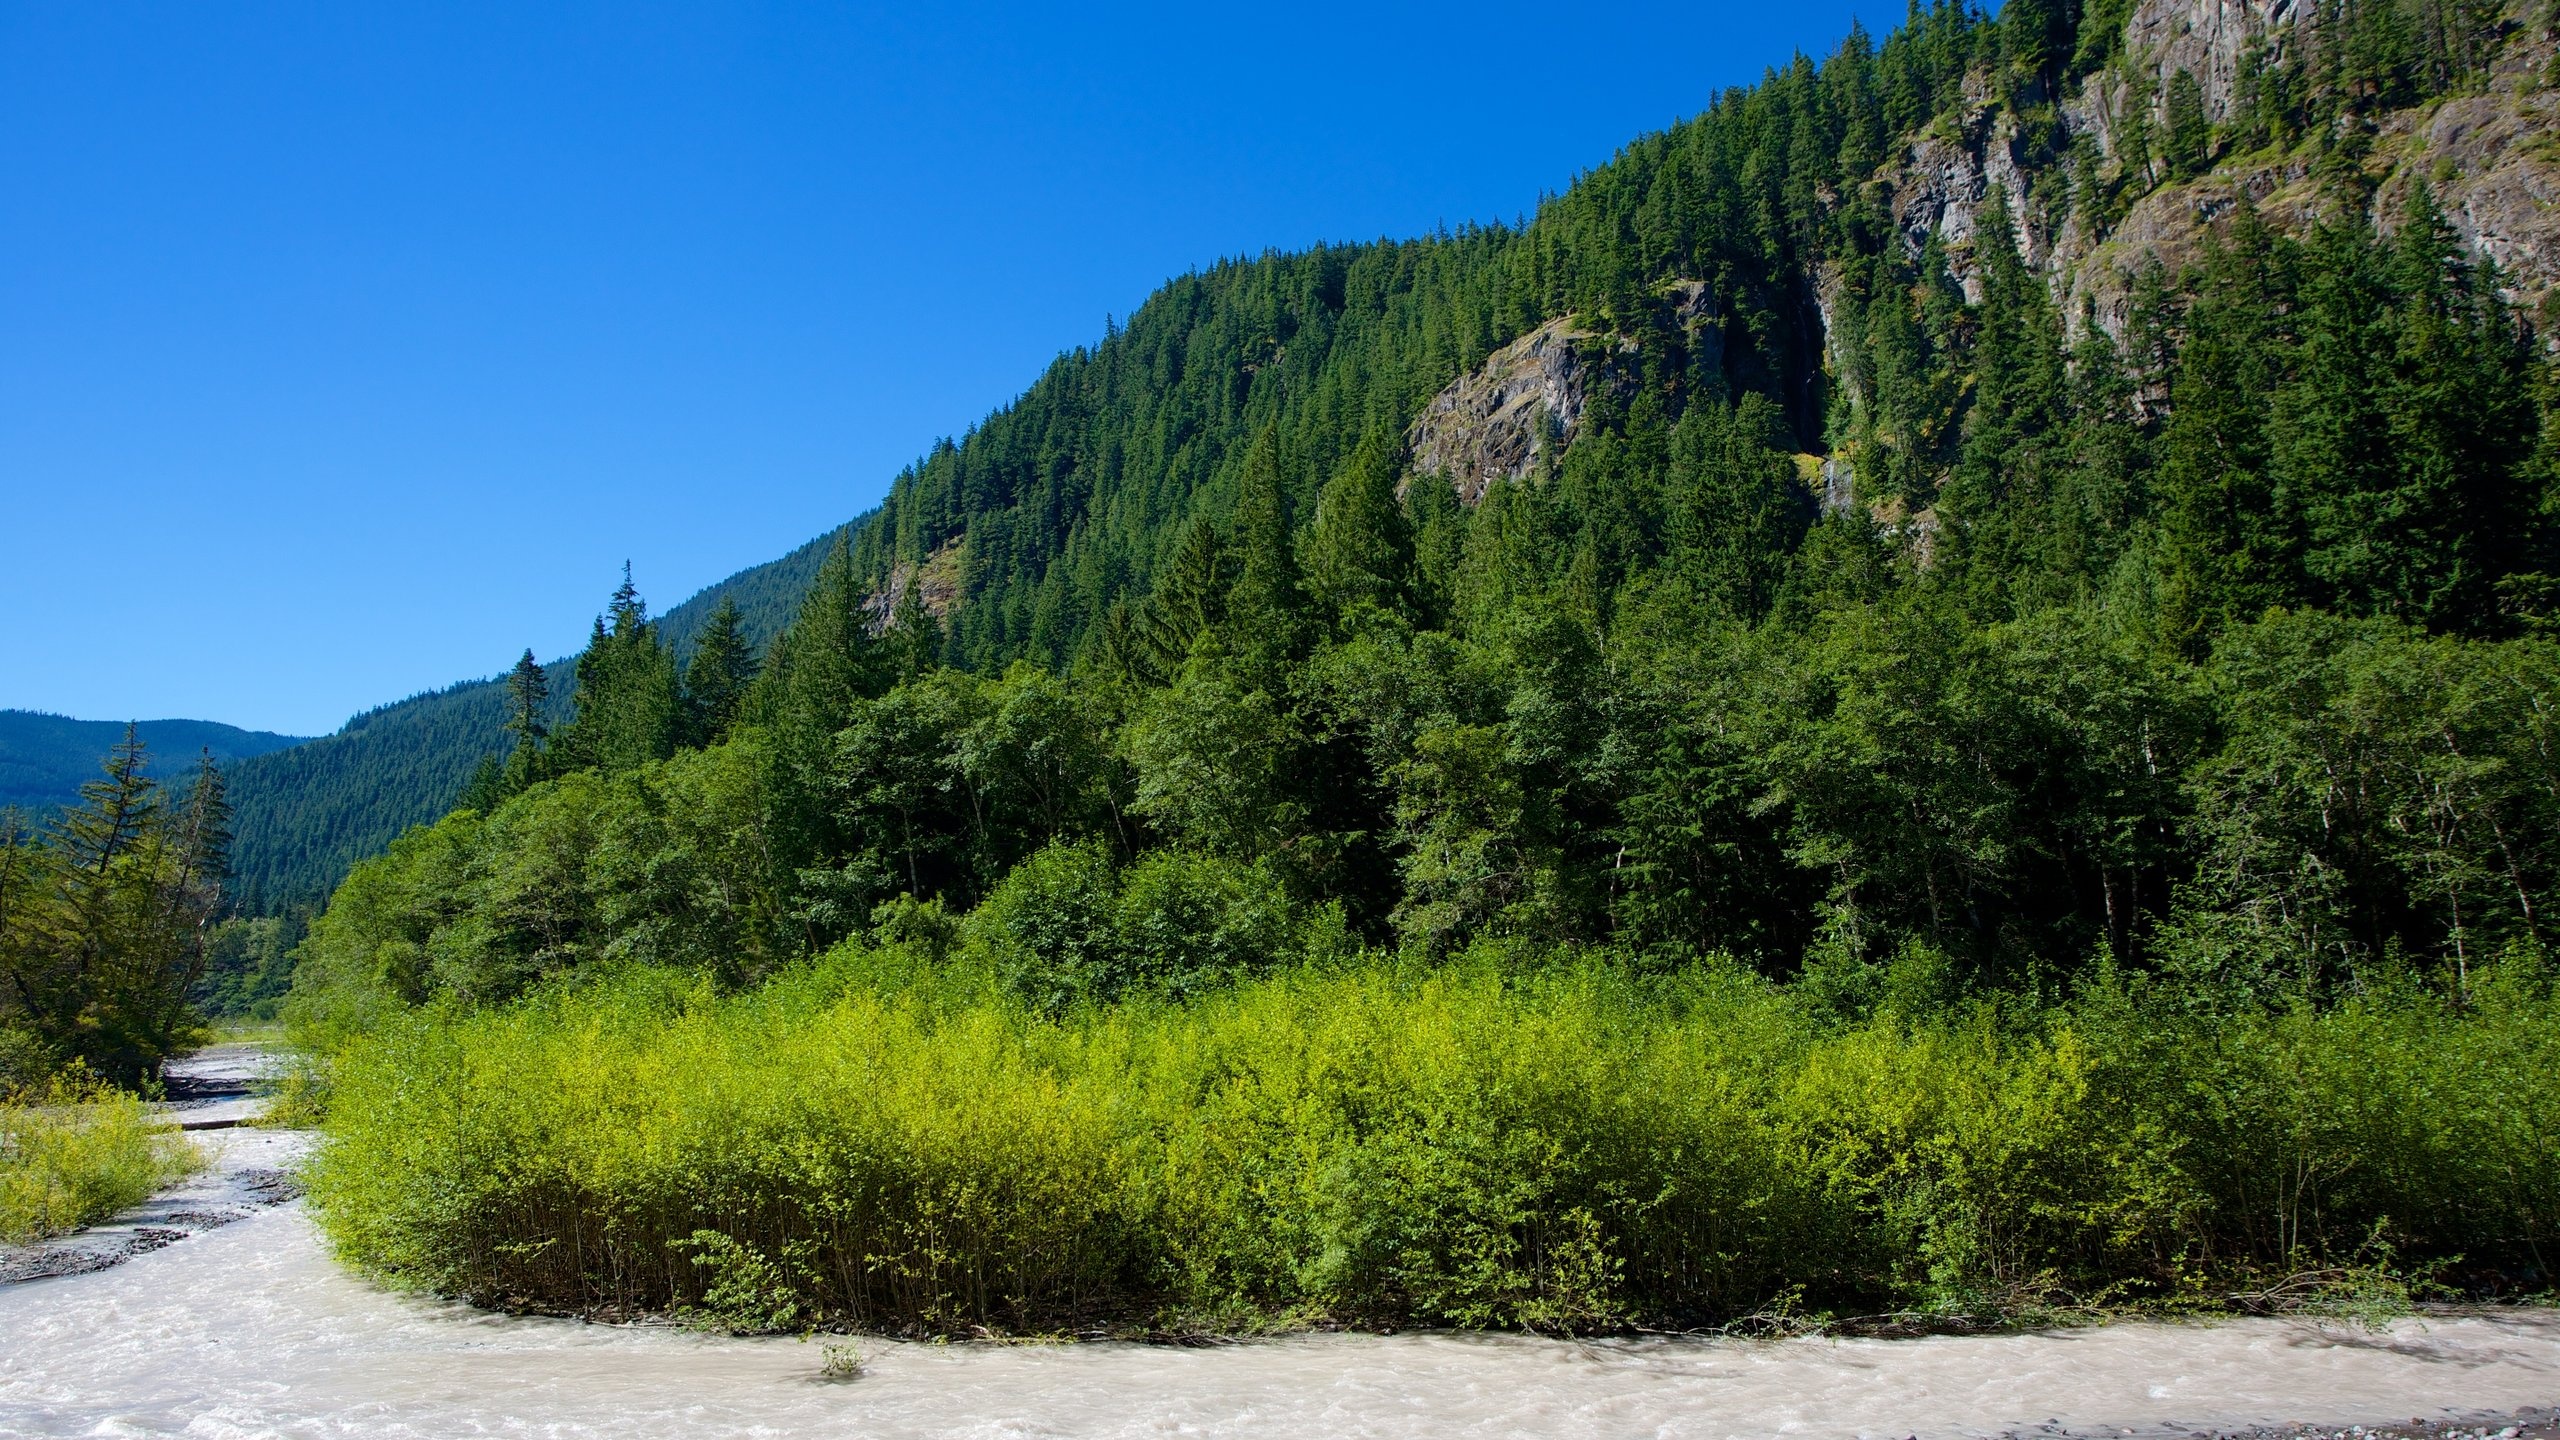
column 247, row 1328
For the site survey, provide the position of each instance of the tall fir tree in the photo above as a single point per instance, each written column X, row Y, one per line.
column 528, row 692
column 1266, row 607
column 723, row 668
column 914, row 638
column 1189, row 600
column 1360, row 549
column 629, row 704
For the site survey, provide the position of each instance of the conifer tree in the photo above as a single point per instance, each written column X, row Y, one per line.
column 630, row 707
column 102, row 930
column 822, row 671
column 2223, row 553
column 1122, row 653
column 1998, row 507
column 1266, row 608
column 485, row 791
column 528, row 690
column 1438, row 525
column 1188, row 601
column 723, row 667
column 2187, row 135
column 829, row 660
column 1360, row 549
column 914, row 640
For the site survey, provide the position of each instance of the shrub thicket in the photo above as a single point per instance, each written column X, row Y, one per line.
column 879, row 1142
column 76, row 1151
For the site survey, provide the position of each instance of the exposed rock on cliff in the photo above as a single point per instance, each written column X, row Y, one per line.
column 1526, row 400
column 2491, row 159
column 937, row 583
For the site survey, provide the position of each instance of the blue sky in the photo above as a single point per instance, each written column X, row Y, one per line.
column 346, row 351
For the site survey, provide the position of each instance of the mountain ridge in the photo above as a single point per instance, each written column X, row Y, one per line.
column 45, row 757
column 2122, row 133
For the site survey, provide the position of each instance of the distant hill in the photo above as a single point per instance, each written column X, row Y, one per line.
column 301, row 816
column 44, row 759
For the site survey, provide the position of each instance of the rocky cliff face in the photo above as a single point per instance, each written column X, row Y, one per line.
column 2491, row 159
column 936, row 582
column 1526, row 400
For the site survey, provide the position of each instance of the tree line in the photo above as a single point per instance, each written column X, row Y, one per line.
column 105, row 919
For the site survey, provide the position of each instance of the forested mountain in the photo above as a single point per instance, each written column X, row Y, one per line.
column 45, row 759
column 1815, row 241
column 1954, row 282
column 1933, row 692
column 1874, row 503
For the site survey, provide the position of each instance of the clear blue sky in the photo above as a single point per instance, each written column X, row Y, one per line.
column 347, row 350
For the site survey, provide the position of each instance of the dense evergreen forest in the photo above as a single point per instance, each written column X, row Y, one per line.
column 2066, row 678
column 45, row 759
column 305, row 814
column 2003, row 786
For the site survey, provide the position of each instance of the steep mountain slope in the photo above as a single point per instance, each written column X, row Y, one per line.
column 1785, row 243
column 45, row 759
column 1738, row 253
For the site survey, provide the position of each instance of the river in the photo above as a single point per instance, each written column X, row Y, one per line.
column 247, row 1328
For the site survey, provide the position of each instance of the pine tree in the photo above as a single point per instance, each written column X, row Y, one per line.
column 1122, row 653
column 822, row 671
column 829, row 660
column 1266, row 607
column 1188, row 601
column 115, row 811
column 1360, row 549
column 102, row 931
column 1997, row 510
column 485, row 791
column 914, row 639
column 2187, row 137
column 630, row 706
column 192, row 875
column 2224, row 552
column 528, row 690
column 723, row 667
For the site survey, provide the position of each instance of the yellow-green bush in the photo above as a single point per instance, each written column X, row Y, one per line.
column 870, row 1145
column 78, row 1151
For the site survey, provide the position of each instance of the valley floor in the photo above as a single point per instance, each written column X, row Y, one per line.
column 250, row 1329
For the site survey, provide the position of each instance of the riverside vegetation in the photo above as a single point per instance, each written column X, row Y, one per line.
column 78, row 1150
column 106, row 923
column 1188, row 865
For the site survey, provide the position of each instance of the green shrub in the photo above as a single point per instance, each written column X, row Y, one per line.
column 1066, row 926
column 880, row 1143
column 79, row 1151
